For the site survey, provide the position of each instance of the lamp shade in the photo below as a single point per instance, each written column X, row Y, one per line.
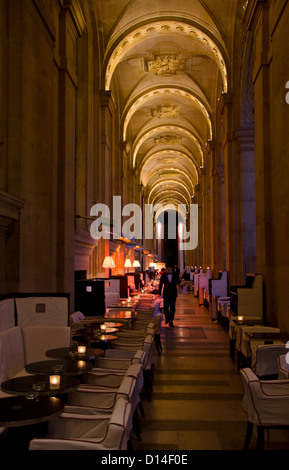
column 127, row 263
column 136, row 264
column 108, row 262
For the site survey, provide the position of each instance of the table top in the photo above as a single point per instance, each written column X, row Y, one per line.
column 108, row 330
column 104, row 338
column 112, row 324
column 124, row 314
column 69, row 353
column 247, row 322
column 21, row 411
column 125, row 303
column 69, row 366
column 39, row 383
column 269, row 335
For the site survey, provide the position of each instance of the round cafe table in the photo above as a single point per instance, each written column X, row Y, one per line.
column 68, row 353
column 68, row 367
column 21, row 411
column 25, row 418
column 108, row 331
column 40, row 384
column 103, row 341
column 121, row 314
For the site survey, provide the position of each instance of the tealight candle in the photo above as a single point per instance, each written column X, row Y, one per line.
column 81, row 364
column 102, row 328
column 54, row 382
column 240, row 319
column 81, row 350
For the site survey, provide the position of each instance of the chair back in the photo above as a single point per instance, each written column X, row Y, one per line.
column 266, row 359
column 283, row 367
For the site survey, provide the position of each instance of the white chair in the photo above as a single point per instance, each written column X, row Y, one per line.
column 97, row 392
column 244, row 343
column 101, row 397
column 115, row 359
column 265, row 360
column 266, row 404
column 147, row 347
column 81, row 428
column 283, row 367
column 112, row 375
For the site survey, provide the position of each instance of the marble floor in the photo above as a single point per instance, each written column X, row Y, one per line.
column 196, row 403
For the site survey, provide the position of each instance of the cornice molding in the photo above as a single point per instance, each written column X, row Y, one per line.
column 10, row 206
column 75, row 10
column 252, row 13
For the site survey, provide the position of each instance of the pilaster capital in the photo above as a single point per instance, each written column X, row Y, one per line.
column 123, row 146
column 75, row 10
column 211, row 145
column 251, row 12
column 225, row 99
column 106, row 100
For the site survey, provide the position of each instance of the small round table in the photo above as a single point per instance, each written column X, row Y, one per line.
column 112, row 324
column 68, row 353
column 25, row 418
column 121, row 314
column 68, row 367
column 39, row 383
column 20, row 411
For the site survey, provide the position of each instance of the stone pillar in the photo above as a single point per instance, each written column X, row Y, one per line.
column 233, row 216
column 69, row 30
column 269, row 23
column 123, row 171
column 198, row 253
column 246, row 136
column 206, row 229
column 105, row 171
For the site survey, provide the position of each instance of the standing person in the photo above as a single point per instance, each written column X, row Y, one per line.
column 176, row 269
column 168, row 283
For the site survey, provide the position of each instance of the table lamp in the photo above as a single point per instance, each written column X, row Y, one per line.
column 108, row 262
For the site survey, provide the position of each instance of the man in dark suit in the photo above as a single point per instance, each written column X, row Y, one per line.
column 169, row 282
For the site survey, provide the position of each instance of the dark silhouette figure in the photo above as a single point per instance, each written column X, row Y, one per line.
column 169, row 282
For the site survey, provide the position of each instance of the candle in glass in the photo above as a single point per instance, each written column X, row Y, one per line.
column 81, row 350
column 54, row 382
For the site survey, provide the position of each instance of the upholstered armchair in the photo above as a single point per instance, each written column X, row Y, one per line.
column 266, row 404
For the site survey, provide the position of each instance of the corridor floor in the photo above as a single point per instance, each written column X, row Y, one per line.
column 196, row 403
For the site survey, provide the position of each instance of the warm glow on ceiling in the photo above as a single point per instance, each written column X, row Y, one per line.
column 175, row 129
column 167, row 91
column 164, row 27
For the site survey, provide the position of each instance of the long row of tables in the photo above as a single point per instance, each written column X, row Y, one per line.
column 34, row 398
column 41, row 394
column 246, row 335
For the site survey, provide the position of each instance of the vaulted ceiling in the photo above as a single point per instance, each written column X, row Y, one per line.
column 166, row 64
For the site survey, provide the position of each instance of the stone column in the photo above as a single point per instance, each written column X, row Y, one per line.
column 105, row 171
column 269, row 23
column 69, row 30
column 246, row 136
column 232, row 186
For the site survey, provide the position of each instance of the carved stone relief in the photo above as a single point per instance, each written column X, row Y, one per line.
column 167, row 111
column 168, row 139
column 166, row 65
